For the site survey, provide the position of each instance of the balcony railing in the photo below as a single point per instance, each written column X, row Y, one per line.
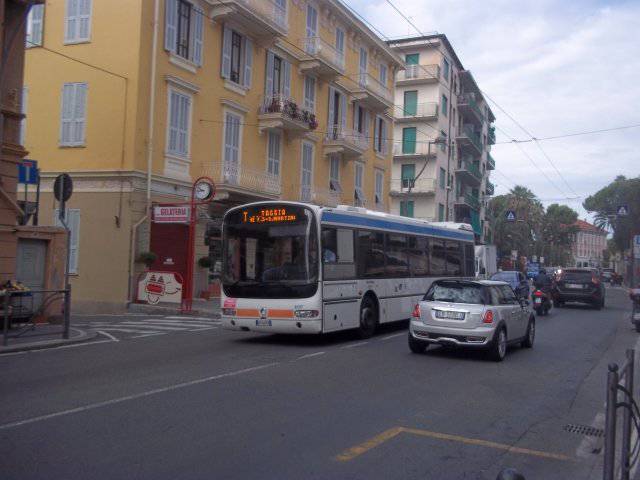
column 469, row 200
column 374, row 86
column 467, row 131
column 346, row 136
column 287, row 114
column 491, row 136
column 422, row 110
column 420, row 72
column 468, row 166
column 490, row 189
column 321, row 49
column 469, row 100
column 421, row 149
column 234, row 176
column 258, row 15
column 491, row 163
column 419, row 186
column 319, row 196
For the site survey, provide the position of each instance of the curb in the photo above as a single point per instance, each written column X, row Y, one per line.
column 84, row 336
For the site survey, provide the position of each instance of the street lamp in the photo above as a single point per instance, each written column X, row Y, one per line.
column 439, row 140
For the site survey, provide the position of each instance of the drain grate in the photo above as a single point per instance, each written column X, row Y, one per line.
column 586, row 430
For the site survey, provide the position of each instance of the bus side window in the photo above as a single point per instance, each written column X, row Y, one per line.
column 438, row 255
column 329, row 245
column 397, row 260
column 418, row 254
column 469, row 260
column 338, row 253
column 454, row 258
column 371, row 257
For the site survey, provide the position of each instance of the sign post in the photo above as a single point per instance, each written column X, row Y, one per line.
column 62, row 191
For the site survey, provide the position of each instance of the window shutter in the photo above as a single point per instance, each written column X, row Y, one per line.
column 332, row 108
column 70, row 20
column 343, row 112
column 226, row 52
column 268, row 83
column 66, row 114
column 376, row 134
column 35, row 23
column 80, row 113
column 170, row 25
column 248, row 62
column 286, row 88
column 23, row 110
column 383, row 134
column 366, row 126
column 84, row 19
column 198, row 34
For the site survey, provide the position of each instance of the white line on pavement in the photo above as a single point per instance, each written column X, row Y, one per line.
column 200, row 329
column 108, row 335
column 389, row 337
column 176, row 323
column 41, row 350
column 152, row 334
column 116, row 315
column 151, row 325
column 93, row 406
column 353, row 345
column 208, row 319
column 125, row 330
column 309, row 355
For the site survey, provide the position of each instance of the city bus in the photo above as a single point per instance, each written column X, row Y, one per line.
column 291, row 267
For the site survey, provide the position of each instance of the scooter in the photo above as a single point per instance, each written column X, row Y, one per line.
column 634, row 295
column 541, row 302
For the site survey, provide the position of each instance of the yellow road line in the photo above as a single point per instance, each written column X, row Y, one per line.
column 358, row 450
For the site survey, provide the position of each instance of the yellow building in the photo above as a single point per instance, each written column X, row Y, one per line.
column 272, row 99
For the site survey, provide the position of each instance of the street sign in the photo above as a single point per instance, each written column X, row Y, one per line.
column 622, row 210
column 63, row 187
column 171, row 214
column 28, row 172
column 636, row 247
column 510, row 215
column 514, row 254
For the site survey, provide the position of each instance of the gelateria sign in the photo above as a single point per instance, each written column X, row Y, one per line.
column 171, row 214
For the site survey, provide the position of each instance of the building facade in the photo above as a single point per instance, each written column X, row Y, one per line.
column 588, row 245
column 442, row 138
column 272, row 99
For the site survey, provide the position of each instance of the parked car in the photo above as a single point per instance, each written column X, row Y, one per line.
column 472, row 313
column 579, row 285
column 516, row 280
column 607, row 275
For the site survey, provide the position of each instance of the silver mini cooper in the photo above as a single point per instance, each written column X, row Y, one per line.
column 469, row 313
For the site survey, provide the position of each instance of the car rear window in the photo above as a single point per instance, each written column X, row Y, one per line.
column 503, row 277
column 575, row 276
column 455, row 293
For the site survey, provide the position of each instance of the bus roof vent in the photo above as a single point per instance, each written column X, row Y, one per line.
column 350, row 208
column 454, row 226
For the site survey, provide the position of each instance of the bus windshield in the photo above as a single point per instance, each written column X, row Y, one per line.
column 270, row 251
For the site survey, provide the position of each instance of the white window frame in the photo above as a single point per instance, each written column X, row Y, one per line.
column 358, row 184
column 383, row 74
column 72, row 219
column 340, row 35
column 274, row 163
column 240, row 118
column 303, row 146
column 309, row 101
column 379, row 187
column 196, row 33
column 35, row 26
column 381, row 136
column 74, row 120
column 334, row 173
column 23, row 110
column 74, row 37
column 175, row 153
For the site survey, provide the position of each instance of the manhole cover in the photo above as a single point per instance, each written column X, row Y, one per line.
column 587, row 430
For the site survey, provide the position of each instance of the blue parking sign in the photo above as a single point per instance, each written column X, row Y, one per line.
column 28, row 172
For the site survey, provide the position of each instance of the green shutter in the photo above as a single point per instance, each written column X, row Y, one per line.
column 410, row 103
column 406, row 208
column 408, row 171
column 442, row 177
column 440, row 212
column 409, row 140
column 412, row 58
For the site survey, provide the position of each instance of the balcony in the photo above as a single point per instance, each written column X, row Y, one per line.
column 419, row 187
column 280, row 112
column 372, row 93
column 469, row 108
column 468, row 200
column 491, row 163
column 469, row 140
column 319, row 196
column 491, row 135
column 419, row 151
column 423, row 111
column 233, row 178
column 469, row 172
column 261, row 18
column 414, row 74
column 324, row 60
column 490, row 189
column 346, row 142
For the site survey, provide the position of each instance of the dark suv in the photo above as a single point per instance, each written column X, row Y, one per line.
column 579, row 285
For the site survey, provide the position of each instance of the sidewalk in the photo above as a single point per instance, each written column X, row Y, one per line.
column 43, row 336
column 209, row 308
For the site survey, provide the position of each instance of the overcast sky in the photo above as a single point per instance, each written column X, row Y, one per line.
column 557, row 67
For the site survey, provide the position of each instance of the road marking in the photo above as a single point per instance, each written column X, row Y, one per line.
column 150, row 325
column 389, row 337
column 201, row 329
column 125, row 330
column 309, row 355
column 152, row 334
column 155, row 391
column 358, row 450
column 108, row 335
column 48, row 349
column 116, row 315
column 208, row 319
column 353, row 345
column 173, row 323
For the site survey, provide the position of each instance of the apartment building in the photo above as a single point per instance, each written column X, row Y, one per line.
column 589, row 244
column 442, row 137
column 272, row 99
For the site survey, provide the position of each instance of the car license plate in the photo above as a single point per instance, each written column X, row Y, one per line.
column 574, row 285
column 636, row 317
column 263, row 322
column 449, row 315
column 538, row 301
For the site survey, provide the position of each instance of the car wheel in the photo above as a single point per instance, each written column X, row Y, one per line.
column 531, row 333
column 368, row 318
column 559, row 304
column 598, row 305
column 415, row 345
column 498, row 349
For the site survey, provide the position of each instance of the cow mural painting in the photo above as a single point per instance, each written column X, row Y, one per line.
column 155, row 287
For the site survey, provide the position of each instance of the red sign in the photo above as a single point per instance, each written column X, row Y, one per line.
column 168, row 214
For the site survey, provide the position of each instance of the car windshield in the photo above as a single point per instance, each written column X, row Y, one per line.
column 455, row 293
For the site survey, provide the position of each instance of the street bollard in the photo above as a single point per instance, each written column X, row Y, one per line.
column 5, row 327
column 610, row 424
column 625, row 454
column 67, row 312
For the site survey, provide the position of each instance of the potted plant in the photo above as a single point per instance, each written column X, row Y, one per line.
column 147, row 258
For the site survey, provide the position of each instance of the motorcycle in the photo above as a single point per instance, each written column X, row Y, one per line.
column 634, row 294
column 541, row 302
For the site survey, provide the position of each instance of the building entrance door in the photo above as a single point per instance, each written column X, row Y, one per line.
column 170, row 242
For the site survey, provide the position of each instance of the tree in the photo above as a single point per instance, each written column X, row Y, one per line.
column 604, row 205
column 558, row 230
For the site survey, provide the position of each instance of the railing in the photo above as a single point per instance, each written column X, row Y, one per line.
column 373, row 85
column 323, row 50
column 336, row 133
column 470, row 100
column 466, row 164
column 421, row 149
column 288, row 107
column 233, row 175
column 319, row 196
column 491, row 163
column 468, row 131
column 422, row 110
column 490, row 189
column 491, row 136
column 269, row 10
column 419, row 72
column 470, row 200
column 420, row 185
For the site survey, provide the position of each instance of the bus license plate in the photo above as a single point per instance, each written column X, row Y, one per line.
column 263, row 322
column 449, row 315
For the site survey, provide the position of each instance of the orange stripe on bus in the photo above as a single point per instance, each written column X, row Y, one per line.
column 281, row 313
column 247, row 312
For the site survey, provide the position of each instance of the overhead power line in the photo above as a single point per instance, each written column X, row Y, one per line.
column 567, row 135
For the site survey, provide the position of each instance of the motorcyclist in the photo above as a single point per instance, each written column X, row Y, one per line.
column 543, row 281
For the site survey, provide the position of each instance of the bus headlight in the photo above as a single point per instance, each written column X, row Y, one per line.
column 306, row 313
column 228, row 312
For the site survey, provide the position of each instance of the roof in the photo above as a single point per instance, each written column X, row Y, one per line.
column 588, row 227
column 397, row 42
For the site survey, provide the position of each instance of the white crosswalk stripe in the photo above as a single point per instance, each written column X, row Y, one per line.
column 152, row 326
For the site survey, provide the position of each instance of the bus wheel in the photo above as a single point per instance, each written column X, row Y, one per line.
column 368, row 318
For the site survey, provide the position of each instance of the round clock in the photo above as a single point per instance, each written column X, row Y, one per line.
column 203, row 190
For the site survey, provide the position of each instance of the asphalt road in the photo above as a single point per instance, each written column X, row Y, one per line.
column 230, row 405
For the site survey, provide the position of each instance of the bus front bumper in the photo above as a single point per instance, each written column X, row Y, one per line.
column 299, row 325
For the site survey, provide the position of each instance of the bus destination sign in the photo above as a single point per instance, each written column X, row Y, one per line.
column 268, row 215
